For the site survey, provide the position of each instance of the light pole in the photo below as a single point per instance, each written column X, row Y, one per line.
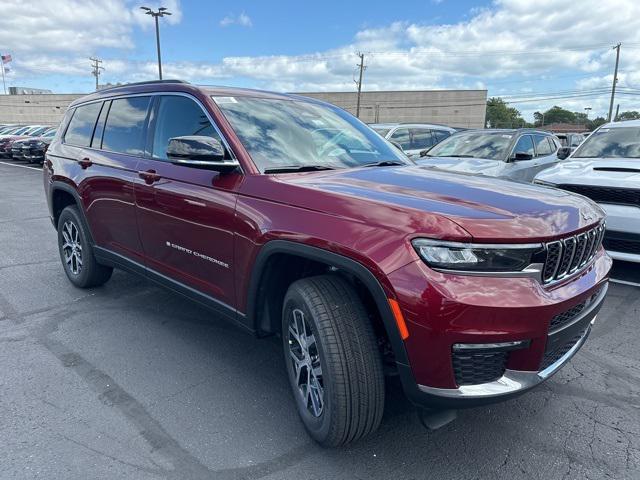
column 160, row 13
column 587, row 109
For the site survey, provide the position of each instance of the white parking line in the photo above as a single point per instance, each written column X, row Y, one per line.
column 21, row 166
column 624, row 282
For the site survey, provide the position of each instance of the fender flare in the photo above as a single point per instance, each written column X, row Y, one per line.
column 57, row 185
column 346, row 264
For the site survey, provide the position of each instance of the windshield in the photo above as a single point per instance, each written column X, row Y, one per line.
column 38, row 131
column 489, row 145
column 296, row 133
column 611, row 143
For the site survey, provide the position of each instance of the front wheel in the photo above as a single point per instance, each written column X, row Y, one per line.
column 332, row 360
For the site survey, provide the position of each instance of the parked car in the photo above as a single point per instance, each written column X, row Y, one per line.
column 32, row 149
column 516, row 154
column 362, row 262
column 413, row 137
column 17, row 130
column 571, row 140
column 606, row 169
column 7, row 140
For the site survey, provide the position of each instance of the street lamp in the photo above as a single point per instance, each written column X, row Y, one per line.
column 160, row 13
column 587, row 109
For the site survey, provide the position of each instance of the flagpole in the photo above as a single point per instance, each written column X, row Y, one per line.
column 4, row 84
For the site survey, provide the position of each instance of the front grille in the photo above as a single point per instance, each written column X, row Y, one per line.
column 622, row 242
column 552, row 356
column 478, row 367
column 620, row 196
column 568, row 255
column 568, row 316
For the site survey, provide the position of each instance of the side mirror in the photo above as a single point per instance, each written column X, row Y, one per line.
column 199, row 151
column 564, row 152
column 519, row 156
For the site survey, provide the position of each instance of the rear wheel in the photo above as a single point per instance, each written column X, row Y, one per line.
column 332, row 360
column 76, row 252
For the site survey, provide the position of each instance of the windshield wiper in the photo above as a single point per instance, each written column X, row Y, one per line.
column 384, row 163
column 297, row 168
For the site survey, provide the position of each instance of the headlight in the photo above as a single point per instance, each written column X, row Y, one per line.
column 38, row 144
column 478, row 257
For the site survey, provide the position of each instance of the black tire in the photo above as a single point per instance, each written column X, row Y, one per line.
column 86, row 272
column 351, row 376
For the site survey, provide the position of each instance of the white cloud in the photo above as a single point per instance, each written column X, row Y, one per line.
column 243, row 20
column 496, row 46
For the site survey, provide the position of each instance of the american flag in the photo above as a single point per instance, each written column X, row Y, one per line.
column 6, row 58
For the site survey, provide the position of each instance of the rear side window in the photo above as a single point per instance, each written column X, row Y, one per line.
column 81, row 126
column 124, row 131
column 543, row 147
column 177, row 117
column 401, row 136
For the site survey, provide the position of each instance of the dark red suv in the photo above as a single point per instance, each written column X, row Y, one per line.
column 288, row 216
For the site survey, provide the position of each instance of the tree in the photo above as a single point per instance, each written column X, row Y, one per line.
column 555, row 114
column 500, row 115
column 596, row 122
column 629, row 115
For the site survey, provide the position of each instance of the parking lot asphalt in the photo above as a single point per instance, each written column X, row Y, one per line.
column 131, row 381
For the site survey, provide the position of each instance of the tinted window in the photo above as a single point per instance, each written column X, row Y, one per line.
column 124, row 131
column 525, row 145
column 542, row 146
column 401, row 136
column 420, row 138
column 611, row 143
column 177, row 117
column 81, row 126
column 382, row 131
column 576, row 140
column 489, row 145
column 440, row 135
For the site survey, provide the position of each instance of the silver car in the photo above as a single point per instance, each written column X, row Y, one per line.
column 514, row 154
column 413, row 138
column 606, row 168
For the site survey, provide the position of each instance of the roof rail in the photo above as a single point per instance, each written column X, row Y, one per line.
column 148, row 82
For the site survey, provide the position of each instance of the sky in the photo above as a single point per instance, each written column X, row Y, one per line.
column 534, row 54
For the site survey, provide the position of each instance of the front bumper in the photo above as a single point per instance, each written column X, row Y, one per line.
column 455, row 310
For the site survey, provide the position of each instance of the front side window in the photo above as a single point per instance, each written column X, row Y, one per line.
column 81, row 125
column 420, row 138
column 489, row 145
column 402, row 138
column 282, row 133
column 543, row 147
column 576, row 140
column 177, row 117
column 440, row 135
column 124, row 131
column 524, row 145
column 619, row 142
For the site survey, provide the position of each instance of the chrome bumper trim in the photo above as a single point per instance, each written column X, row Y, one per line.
column 511, row 382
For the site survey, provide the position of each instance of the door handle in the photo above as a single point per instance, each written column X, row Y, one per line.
column 85, row 163
column 149, row 176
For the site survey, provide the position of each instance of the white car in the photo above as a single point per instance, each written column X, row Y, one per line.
column 413, row 138
column 606, row 168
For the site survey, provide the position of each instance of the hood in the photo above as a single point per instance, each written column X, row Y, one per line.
column 410, row 199
column 482, row 166
column 605, row 172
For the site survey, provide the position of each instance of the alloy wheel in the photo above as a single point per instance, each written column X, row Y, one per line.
column 305, row 360
column 72, row 247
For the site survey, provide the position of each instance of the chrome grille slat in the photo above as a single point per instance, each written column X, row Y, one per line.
column 566, row 256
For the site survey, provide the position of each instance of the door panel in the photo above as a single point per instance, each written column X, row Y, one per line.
column 186, row 225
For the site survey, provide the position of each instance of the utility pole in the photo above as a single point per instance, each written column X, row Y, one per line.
column 96, row 69
column 162, row 11
column 617, row 112
column 362, row 68
column 615, row 80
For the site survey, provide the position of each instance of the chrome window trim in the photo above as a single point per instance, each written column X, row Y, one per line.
column 155, row 94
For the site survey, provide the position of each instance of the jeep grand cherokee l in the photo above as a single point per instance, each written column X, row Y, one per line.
column 471, row 290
